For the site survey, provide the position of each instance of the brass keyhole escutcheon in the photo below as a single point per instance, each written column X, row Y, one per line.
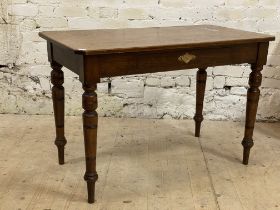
column 186, row 58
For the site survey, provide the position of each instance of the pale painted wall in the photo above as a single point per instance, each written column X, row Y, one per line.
column 25, row 86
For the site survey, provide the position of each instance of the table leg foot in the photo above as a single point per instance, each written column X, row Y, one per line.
column 197, row 128
column 91, row 187
column 57, row 79
column 247, row 145
column 90, row 121
column 200, row 92
column 60, row 149
column 91, row 191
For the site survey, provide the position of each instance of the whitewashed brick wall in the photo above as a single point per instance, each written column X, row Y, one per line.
column 24, row 75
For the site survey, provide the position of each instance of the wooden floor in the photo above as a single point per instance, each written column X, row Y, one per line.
column 142, row 164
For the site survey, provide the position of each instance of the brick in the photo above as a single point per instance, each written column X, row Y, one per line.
column 232, row 81
column 102, row 87
column 164, row 13
column 167, row 82
column 40, row 70
column 232, row 71
column 271, row 72
column 231, row 13
column 244, row 3
column 109, row 3
column 70, row 11
column 46, row 10
column 74, row 3
column 83, row 23
column 271, row 83
column 93, row 12
column 261, row 12
column 213, row 3
column 31, row 35
column 265, row 25
column 162, row 97
column 128, row 89
column 151, row 95
column 27, row 25
column 43, row 2
column 183, row 81
column 133, row 3
column 273, row 60
column 219, row 82
column 152, row 81
column 19, row 1
column 269, row 3
column 269, row 105
column 238, row 91
column 273, row 47
column 52, row 22
column 28, row 10
column 107, row 12
column 45, row 83
column 172, row 3
column 209, row 83
column 133, row 14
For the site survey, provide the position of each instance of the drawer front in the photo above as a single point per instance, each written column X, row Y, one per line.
column 159, row 61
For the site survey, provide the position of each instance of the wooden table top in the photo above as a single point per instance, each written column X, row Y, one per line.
column 104, row 41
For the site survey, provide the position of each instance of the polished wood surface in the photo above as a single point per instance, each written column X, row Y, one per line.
column 147, row 39
column 105, row 53
column 118, row 64
column 201, row 78
column 90, row 121
column 58, row 95
column 255, row 80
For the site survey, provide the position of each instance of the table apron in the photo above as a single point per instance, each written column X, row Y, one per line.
column 149, row 62
column 66, row 58
column 119, row 64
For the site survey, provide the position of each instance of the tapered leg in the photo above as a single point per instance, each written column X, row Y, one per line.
column 251, row 110
column 57, row 80
column 200, row 91
column 90, row 121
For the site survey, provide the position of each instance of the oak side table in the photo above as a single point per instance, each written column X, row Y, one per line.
column 93, row 54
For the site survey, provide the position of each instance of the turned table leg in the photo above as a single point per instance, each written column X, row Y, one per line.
column 253, row 94
column 200, row 91
column 57, row 80
column 90, row 121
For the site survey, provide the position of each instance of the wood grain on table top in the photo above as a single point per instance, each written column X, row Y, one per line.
column 103, row 41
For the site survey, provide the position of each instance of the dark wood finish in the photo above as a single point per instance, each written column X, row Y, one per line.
column 253, row 94
column 73, row 61
column 57, row 79
column 200, row 91
column 155, row 61
column 90, row 121
column 167, row 60
column 105, row 53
